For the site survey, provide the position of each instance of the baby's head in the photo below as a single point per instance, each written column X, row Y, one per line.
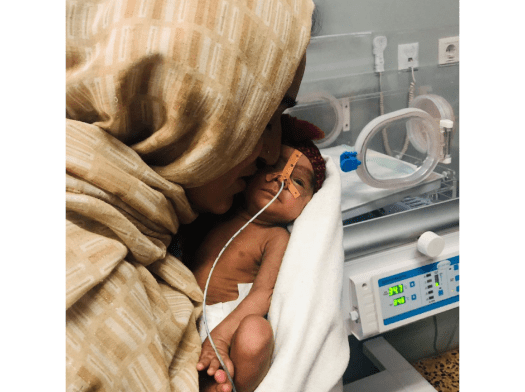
column 299, row 134
column 300, row 165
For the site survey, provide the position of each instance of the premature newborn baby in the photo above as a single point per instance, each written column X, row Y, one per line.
column 241, row 287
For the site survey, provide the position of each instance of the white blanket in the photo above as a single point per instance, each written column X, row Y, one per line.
column 311, row 345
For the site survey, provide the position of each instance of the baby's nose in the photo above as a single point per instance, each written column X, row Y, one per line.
column 276, row 177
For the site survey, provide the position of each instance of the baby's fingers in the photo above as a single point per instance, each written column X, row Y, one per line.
column 204, row 362
column 220, row 377
column 223, row 385
column 229, row 364
column 213, row 366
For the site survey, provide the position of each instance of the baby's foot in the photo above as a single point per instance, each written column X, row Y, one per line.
column 218, row 383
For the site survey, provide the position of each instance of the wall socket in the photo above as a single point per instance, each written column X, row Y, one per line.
column 408, row 56
column 448, row 50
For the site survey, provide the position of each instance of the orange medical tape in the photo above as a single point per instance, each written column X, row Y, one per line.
column 284, row 176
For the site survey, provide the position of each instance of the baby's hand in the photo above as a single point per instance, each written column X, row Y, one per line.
column 209, row 360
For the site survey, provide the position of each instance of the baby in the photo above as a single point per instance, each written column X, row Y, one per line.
column 241, row 286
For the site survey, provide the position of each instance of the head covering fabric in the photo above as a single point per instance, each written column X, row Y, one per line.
column 189, row 85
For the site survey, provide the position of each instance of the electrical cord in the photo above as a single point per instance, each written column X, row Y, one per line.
column 208, row 282
column 436, row 351
column 434, row 318
column 452, row 334
column 382, row 112
column 411, row 93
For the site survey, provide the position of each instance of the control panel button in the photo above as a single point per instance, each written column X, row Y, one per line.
column 457, row 289
column 413, row 297
column 412, row 284
column 440, row 292
column 457, row 278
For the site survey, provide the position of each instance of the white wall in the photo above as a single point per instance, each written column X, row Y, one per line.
column 350, row 16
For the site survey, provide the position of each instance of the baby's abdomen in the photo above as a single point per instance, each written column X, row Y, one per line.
column 224, row 280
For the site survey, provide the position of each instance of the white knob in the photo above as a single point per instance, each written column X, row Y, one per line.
column 430, row 244
column 354, row 315
column 446, row 123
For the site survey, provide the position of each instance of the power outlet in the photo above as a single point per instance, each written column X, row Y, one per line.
column 408, row 56
column 448, row 50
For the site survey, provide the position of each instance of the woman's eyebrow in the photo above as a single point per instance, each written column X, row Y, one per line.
column 288, row 101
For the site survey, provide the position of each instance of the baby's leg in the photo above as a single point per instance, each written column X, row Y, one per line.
column 251, row 352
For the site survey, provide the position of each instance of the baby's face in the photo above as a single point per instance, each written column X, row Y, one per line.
column 286, row 207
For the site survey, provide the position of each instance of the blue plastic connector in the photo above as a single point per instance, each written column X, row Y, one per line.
column 349, row 161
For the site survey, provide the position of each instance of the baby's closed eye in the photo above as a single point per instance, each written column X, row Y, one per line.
column 300, row 182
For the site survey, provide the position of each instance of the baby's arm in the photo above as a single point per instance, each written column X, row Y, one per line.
column 256, row 303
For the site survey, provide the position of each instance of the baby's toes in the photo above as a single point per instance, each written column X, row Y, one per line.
column 220, row 376
column 226, row 387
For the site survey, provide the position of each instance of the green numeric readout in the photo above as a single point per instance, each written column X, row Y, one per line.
column 399, row 301
column 395, row 290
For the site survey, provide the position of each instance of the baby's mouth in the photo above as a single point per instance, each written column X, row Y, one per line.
column 273, row 191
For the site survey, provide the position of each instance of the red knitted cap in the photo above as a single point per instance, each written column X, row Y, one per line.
column 299, row 135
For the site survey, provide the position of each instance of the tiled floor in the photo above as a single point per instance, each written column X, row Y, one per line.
column 442, row 371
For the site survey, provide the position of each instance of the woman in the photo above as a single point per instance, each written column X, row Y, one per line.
column 167, row 103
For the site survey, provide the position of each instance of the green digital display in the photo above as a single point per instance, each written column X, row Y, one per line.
column 399, row 301
column 395, row 290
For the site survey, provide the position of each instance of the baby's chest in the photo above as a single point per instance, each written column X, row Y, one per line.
column 244, row 255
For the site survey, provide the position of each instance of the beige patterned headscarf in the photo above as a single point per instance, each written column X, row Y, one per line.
column 161, row 95
column 189, row 85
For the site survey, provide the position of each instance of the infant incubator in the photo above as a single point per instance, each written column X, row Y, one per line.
column 400, row 211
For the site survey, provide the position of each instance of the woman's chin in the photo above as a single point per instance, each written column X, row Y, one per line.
column 222, row 207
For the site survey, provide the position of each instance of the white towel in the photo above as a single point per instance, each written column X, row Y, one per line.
column 311, row 345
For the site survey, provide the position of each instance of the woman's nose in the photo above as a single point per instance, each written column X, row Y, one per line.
column 271, row 139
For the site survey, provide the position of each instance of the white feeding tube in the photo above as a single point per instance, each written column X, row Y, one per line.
column 208, row 282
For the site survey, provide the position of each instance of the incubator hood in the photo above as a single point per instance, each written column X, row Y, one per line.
column 420, row 137
column 427, row 126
